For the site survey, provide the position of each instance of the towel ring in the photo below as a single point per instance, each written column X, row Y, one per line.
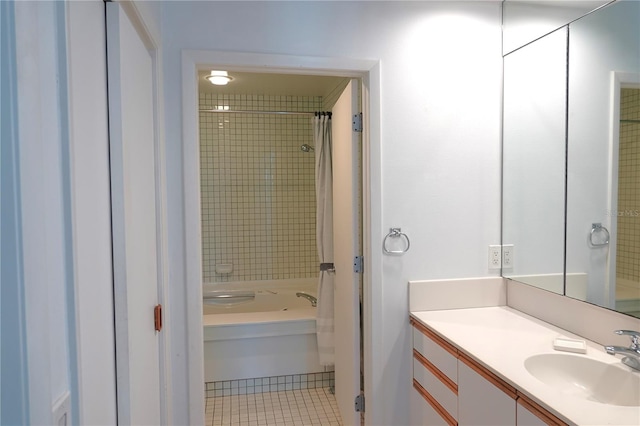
column 596, row 228
column 395, row 233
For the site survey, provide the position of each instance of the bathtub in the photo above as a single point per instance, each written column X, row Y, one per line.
column 261, row 330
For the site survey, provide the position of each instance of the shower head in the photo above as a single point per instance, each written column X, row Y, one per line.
column 307, row 148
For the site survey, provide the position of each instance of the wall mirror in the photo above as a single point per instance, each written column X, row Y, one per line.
column 571, row 159
column 527, row 20
column 533, row 155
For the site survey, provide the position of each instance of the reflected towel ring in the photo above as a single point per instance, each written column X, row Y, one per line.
column 395, row 233
column 597, row 228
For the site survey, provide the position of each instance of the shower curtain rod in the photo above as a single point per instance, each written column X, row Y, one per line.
column 262, row 112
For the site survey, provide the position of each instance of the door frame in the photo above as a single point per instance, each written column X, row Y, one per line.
column 369, row 72
column 164, row 339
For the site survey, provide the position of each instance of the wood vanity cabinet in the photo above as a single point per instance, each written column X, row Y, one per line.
column 450, row 388
column 435, row 378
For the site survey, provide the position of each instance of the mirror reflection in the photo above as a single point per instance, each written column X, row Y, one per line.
column 602, row 171
column 627, row 254
column 535, row 80
column 571, row 135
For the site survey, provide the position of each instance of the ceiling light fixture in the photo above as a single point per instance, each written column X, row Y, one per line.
column 219, row 78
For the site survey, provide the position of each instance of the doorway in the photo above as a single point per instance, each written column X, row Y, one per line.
column 627, row 251
column 258, row 161
column 192, row 197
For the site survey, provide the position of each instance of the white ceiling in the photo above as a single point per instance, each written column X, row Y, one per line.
column 272, row 84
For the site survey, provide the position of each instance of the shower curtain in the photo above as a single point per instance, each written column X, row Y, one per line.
column 324, row 235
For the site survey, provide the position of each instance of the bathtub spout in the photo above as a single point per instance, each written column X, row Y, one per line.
column 310, row 298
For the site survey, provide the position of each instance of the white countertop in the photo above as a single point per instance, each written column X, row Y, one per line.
column 501, row 338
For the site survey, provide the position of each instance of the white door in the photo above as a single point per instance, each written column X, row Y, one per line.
column 347, row 245
column 133, row 186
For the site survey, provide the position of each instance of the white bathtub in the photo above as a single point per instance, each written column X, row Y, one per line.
column 267, row 335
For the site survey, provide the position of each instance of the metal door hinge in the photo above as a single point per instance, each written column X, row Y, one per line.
column 360, row 403
column 157, row 317
column 357, row 122
column 358, row 264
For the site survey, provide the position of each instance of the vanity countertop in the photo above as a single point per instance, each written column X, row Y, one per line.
column 501, row 338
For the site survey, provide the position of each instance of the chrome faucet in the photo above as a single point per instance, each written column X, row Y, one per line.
column 633, row 352
column 310, row 298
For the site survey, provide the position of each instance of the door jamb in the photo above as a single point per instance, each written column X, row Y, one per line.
column 369, row 72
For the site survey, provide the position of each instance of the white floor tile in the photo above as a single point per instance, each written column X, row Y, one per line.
column 294, row 407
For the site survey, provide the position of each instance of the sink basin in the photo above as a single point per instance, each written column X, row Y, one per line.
column 587, row 378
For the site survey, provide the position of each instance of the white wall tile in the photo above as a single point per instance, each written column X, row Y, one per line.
column 257, row 188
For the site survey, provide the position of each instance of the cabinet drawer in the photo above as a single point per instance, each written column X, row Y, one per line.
column 529, row 413
column 525, row 417
column 439, row 390
column 441, row 354
column 483, row 399
column 430, row 410
column 422, row 413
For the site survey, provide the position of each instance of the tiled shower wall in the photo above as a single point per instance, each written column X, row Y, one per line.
column 257, row 188
column 628, row 246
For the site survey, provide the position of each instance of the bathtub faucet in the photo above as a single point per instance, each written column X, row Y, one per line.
column 310, row 298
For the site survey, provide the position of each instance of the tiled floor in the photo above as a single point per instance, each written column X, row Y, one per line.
column 295, row 407
column 270, row 384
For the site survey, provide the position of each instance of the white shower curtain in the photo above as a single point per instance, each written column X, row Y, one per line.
column 324, row 235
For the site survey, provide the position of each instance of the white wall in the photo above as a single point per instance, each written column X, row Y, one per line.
column 14, row 401
column 45, row 277
column 150, row 12
column 440, row 124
